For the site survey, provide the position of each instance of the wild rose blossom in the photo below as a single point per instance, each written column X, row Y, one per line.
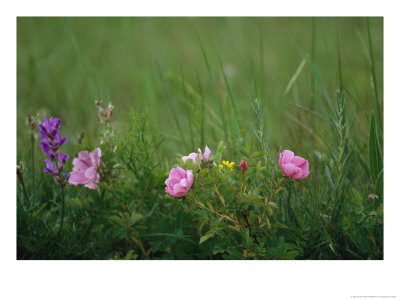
column 179, row 182
column 293, row 166
column 194, row 155
column 49, row 131
column 243, row 166
column 85, row 170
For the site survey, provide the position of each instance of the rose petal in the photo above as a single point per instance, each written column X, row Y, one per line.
column 287, row 156
column 290, row 170
column 174, row 173
column 179, row 190
column 304, row 175
column 182, row 172
column 298, row 161
column 192, row 156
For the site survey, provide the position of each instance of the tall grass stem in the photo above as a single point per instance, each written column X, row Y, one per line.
column 62, row 209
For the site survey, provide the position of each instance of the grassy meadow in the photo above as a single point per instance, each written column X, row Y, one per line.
column 245, row 87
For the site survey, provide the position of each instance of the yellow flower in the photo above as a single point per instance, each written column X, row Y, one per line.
column 220, row 166
column 228, row 164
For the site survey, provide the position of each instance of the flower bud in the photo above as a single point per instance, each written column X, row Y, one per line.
column 243, row 166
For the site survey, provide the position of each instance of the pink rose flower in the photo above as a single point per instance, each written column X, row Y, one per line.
column 293, row 166
column 179, row 182
column 243, row 165
column 194, row 155
column 85, row 169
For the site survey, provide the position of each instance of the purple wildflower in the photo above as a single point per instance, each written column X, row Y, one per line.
column 49, row 166
column 49, row 131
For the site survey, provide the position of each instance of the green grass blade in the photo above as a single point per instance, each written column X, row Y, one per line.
column 379, row 184
column 374, row 81
column 375, row 154
column 85, row 71
column 217, row 98
column 171, row 106
column 295, row 75
column 339, row 63
column 320, row 84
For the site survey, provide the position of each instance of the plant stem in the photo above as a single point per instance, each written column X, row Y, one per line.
column 62, row 209
column 276, row 190
column 249, row 226
column 21, row 180
column 137, row 241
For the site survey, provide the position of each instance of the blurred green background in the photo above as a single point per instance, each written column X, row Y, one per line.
column 194, row 72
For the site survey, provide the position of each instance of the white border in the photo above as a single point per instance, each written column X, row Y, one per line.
column 205, row 279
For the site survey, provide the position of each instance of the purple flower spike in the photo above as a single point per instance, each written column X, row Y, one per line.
column 49, row 165
column 51, row 141
column 63, row 158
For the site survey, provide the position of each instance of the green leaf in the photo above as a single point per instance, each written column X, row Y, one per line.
column 134, row 218
column 250, row 145
column 269, row 211
column 375, row 154
column 273, row 204
column 221, row 147
column 205, row 237
column 36, row 212
column 218, row 194
column 268, row 222
column 280, row 225
column 244, row 151
column 257, row 154
column 76, row 202
column 292, row 254
column 117, row 220
column 130, row 255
